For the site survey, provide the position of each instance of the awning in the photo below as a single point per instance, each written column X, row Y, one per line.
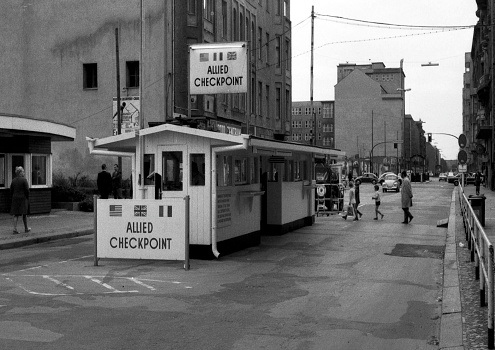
column 17, row 125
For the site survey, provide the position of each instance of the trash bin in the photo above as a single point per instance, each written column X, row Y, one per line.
column 478, row 205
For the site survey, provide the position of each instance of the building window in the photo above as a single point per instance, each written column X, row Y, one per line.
column 172, row 171
column 260, row 42
column 253, row 40
column 260, row 101
column 197, row 169
column 277, row 51
column 241, row 26
column 224, row 19
column 90, row 76
column 287, row 54
column 234, row 25
column 39, row 170
column 267, row 94
column 225, row 176
column 132, row 74
column 191, row 7
column 17, row 160
column 267, row 48
column 278, row 104
column 278, row 7
column 208, row 10
column 2, row 170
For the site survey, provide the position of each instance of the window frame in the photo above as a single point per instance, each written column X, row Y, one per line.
column 90, row 76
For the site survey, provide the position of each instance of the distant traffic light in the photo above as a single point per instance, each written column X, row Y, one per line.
column 429, row 137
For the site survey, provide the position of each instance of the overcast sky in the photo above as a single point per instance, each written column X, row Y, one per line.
column 436, row 92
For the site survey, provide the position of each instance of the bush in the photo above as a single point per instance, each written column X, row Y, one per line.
column 87, row 204
column 64, row 190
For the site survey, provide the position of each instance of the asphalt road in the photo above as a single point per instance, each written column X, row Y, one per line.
column 335, row 285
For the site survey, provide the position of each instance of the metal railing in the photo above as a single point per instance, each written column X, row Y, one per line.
column 483, row 256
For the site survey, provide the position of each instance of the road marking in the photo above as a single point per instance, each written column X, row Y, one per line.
column 60, row 283
column 101, row 283
column 141, row 283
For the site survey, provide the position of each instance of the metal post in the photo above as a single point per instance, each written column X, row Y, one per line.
column 95, row 222
column 119, row 110
column 186, row 251
column 490, row 299
column 482, row 276
column 311, row 72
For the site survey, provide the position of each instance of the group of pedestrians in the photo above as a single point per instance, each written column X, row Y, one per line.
column 109, row 183
column 406, row 200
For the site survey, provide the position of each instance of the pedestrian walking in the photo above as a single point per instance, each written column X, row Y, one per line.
column 116, row 182
column 104, row 182
column 352, row 202
column 356, row 189
column 477, row 182
column 406, row 198
column 376, row 197
column 19, row 191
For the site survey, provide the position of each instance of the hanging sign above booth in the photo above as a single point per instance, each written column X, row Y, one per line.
column 219, row 68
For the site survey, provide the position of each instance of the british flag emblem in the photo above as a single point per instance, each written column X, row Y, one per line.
column 231, row 56
column 140, row 210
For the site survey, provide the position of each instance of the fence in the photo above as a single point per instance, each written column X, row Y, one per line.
column 483, row 256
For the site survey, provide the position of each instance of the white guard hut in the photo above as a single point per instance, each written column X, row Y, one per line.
column 240, row 186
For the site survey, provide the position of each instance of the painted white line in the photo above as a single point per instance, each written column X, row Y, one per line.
column 141, row 283
column 107, row 286
column 57, row 282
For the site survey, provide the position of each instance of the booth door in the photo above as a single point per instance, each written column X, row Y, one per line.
column 172, row 163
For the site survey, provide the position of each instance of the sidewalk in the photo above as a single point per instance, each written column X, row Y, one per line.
column 45, row 227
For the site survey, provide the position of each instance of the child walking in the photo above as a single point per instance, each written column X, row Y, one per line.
column 376, row 197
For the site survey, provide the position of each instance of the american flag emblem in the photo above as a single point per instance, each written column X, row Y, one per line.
column 115, row 210
column 140, row 210
column 165, row 211
column 231, row 56
column 204, row 57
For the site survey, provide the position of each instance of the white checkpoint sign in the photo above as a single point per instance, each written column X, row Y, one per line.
column 141, row 229
column 219, row 68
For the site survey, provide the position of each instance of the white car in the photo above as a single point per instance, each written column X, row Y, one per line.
column 391, row 182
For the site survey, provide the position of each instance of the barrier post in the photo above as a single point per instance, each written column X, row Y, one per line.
column 490, row 299
column 482, row 275
column 95, row 222
column 186, row 248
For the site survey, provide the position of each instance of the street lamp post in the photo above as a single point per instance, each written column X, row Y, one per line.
column 403, row 91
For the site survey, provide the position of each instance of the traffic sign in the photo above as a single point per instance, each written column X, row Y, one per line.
column 462, row 168
column 462, row 140
column 462, row 157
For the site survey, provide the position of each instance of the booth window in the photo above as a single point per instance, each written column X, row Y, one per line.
column 149, row 169
column 288, row 176
column 240, row 171
column 197, row 169
column 38, row 170
column 2, row 170
column 253, row 170
column 172, row 171
column 224, row 173
column 297, row 171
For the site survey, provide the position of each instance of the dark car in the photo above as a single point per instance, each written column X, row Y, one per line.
column 366, row 177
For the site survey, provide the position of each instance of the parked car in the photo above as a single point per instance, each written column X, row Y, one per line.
column 366, row 177
column 391, row 182
column 442, row 177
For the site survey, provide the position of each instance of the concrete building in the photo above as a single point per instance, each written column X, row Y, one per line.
column 369, row 114
column 317, row 119
column 62, row 64
column 481, row 123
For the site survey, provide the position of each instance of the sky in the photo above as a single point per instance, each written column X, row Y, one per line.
column 436, row 91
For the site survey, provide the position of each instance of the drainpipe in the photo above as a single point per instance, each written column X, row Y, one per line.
column 214, row 152
column 92, row 150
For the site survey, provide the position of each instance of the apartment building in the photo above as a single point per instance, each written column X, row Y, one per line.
column 313, row 123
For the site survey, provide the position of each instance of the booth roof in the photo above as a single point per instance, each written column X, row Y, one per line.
column 16, row 125
column 128, row 142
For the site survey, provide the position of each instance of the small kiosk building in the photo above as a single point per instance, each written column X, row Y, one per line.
column 239, row 186
column 27, row 142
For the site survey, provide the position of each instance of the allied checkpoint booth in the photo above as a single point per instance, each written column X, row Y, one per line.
column 238, row 186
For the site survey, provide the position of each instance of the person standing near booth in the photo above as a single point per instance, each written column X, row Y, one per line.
column 19, row 191
column 406, row 198
column 477, row 182
column 104, row 182
column 116, row 182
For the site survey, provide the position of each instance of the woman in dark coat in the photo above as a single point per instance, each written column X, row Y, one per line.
column 19, row 191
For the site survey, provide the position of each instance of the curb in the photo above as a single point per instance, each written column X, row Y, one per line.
column 25, row 241
column 451, row 319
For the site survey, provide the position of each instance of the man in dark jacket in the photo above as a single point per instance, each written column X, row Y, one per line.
column 104, row 182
